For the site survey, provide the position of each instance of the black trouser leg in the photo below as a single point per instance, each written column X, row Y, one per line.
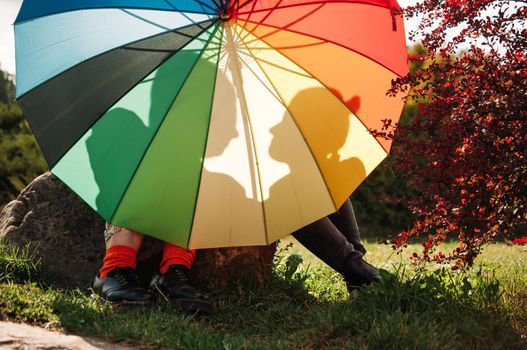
column 328, row 243
column 345, row 221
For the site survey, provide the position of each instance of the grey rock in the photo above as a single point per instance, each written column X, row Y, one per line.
column 67, row 236
column 64, row 232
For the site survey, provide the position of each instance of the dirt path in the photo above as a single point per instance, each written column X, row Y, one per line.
column 25, row 337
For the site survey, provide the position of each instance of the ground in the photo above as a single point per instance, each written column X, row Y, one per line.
column 306, row 306
column 23, row 336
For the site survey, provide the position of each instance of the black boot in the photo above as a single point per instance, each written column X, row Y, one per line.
column 121, row 286
column 176, row 286
column 331, row 246
column 360, row 273
column 346, row 222
column 323, row 239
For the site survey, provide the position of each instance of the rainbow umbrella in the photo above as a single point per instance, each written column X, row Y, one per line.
column 209, row 123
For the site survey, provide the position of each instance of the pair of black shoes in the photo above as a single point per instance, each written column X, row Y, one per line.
column 121, row 286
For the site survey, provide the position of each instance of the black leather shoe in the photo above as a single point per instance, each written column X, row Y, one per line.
column 121, row 286
column 360, row 273
column 177, row 287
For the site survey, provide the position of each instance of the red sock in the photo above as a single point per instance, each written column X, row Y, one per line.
column 174, row 255
column 118, row 256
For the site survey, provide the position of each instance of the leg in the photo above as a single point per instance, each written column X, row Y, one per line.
column 324, row 240
column 174, row 282
column 116, row 235
column 122, row 245
column 344, row 219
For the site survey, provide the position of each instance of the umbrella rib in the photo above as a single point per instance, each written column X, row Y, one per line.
column 273, row 93
column 167, row 29
column 177, row 31
column 160, row 124
column 250, row 13
column 267, row 15
column 218, row 5
column 282, row 68
column 243, row 102
column 206, row 5
column 311, row 75
column 141, row 18
column 297, row 20
column 257, row 60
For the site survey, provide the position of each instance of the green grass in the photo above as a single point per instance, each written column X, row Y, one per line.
column 306, row 306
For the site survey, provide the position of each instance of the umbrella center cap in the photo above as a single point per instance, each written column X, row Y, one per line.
column 225, row 15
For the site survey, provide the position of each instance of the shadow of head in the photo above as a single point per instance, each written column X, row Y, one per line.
column 318, row 103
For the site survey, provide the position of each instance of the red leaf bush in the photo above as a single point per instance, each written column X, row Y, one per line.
column 464, row 153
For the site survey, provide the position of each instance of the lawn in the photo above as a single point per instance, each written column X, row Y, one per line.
column 305, row 307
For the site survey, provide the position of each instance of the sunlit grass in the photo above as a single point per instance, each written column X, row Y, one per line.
column 383, row 256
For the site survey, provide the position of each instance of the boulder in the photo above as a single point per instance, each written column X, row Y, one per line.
column 67, row 236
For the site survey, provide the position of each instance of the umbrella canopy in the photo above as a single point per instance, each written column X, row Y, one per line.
column 208, row 123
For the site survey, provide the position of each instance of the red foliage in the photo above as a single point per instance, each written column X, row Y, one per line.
column 465, row 151
column 520, row 241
